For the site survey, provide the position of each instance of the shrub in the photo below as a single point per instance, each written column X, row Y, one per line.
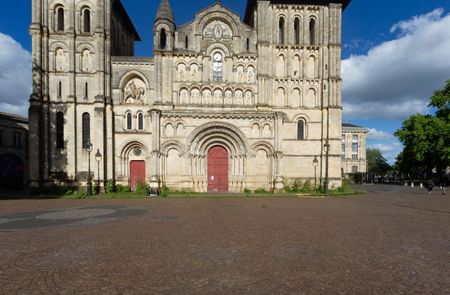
column 122, row 188
column 297, row 186
column 247, row 191
column 261, row 191
column 142, row 188
column 165, row 190
column 110, row 187
column 307, row 187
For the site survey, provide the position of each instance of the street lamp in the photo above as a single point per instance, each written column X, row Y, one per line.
column 98, row 158
column 315, row 164
column 327, row 152
column 89, row 179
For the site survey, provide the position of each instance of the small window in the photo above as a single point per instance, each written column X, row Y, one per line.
column 86, row 130
column 281, row 31
column 186, row 42
column 86, row 21
column 59, row 130
column 355, row 137
column 312, row 32
column 141, row 121
column 86, row 90
column 354, row 169
column 163, row 39
column 297, row 31
column 248, row 44
column 129, row 121
column 301, row 130
column 60, row 19
column 17, row 139
column 59, row 89
column 354, row 147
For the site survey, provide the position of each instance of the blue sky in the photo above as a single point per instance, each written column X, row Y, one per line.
column 395, row 53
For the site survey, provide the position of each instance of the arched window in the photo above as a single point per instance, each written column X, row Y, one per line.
column 140, row 121
column 60, row 19
column 59, row 130
column 163, row 39
column 86, row 21
column 297, row 31
column 248, row 44
column 186, row 42
column 217, row 67
column 312, row 32
column 300, row 130
column 86, row 130
column 281, row 31
column 129, row 121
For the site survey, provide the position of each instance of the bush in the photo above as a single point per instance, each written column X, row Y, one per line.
column 165, row 190
column 79, row 195
column 110, row 187
column 122, row 188
column 297, row 186
column 261, row 191
column 142, row 188
column 247, row 191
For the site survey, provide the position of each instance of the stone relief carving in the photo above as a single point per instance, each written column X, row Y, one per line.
column 217, row 97
column 181, row 72
column 218, row 30
column 194, row 72
column 228, row 97
column 60, row 60
column 251, row 75
column 86, row 61
column 134, row 91
column 240, row 74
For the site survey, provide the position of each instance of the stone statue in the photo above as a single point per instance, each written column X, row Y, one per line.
column 251, row 75
column 133, row 93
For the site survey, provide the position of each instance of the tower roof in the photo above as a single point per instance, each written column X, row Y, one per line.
column 165, row 12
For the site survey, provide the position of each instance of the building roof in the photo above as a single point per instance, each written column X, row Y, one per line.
column 252, row 3
column 13, row 117
column 118, row 6
column 351, row 125
column 165, row 12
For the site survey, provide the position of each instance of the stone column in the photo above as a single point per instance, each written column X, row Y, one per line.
column 279, row 117
column 155, row 154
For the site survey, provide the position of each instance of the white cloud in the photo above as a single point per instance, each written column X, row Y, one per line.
column 396, row 78
column 375, row 134
column 15, row 76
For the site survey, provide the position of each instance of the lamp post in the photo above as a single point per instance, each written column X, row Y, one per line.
column 315, row 164
column 89, row 179
column 98, row 158
column 327, row 151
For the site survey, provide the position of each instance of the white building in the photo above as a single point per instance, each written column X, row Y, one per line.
column 354, row 149
column 224, row 104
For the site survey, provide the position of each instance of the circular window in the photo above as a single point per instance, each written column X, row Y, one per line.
column 137, row 152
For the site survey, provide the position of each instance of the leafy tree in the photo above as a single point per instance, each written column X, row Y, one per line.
column 376, row 162
column 426, row 138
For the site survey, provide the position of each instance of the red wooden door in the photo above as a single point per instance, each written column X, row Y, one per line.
column 137, row 174
column 217, row 169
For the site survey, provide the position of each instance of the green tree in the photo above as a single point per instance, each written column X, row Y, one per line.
column 426, row 138
column 376, row 162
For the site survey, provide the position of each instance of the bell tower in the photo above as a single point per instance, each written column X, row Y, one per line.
column 163, row 46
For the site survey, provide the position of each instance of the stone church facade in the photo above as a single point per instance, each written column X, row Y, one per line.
column 224, row 104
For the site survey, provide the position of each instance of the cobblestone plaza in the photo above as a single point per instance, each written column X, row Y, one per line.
column 383, row 243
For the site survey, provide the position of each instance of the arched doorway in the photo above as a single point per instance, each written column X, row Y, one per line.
column 11, row 172
column 217, row 169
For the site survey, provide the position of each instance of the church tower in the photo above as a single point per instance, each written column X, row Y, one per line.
column 71, row 89
column 299, row 54
column 163, row 46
